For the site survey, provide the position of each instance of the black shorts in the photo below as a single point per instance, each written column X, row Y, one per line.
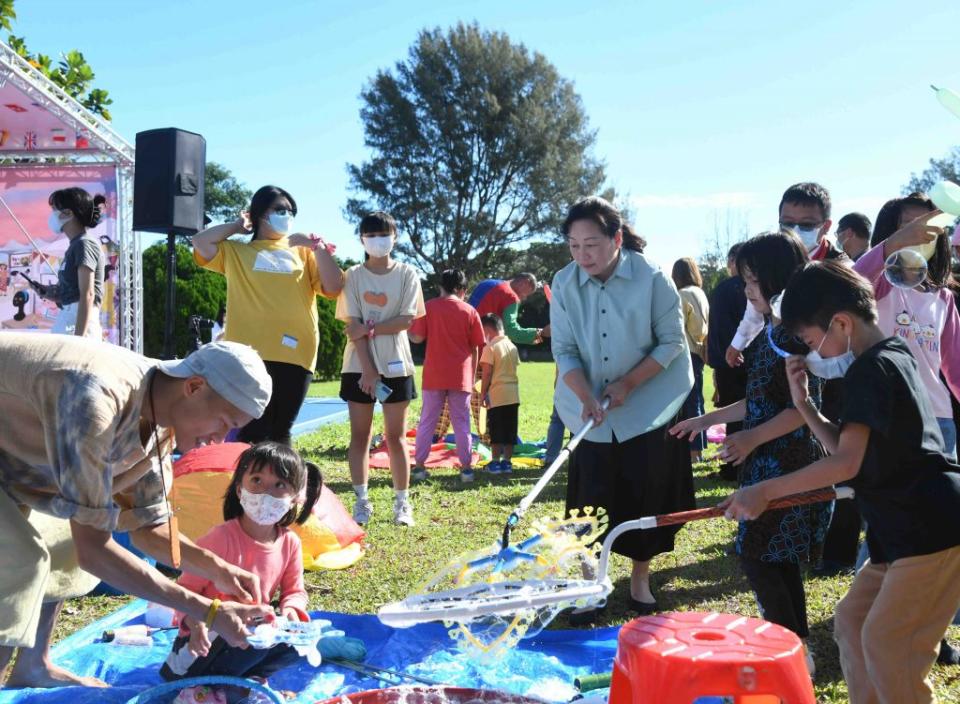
column 403, row 389
column 502, row 424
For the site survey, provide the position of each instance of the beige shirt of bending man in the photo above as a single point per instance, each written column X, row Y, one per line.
column 78, row 446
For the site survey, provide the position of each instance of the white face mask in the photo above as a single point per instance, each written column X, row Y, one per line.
column 264, row 509
column 56, row 223
column 281, row 224
column 830, row 367
column 807, row 235
column 378, row 246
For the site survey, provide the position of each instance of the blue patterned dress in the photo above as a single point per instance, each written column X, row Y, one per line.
column 793, row 534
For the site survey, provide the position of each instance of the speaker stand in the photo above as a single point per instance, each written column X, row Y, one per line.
column 169, row 351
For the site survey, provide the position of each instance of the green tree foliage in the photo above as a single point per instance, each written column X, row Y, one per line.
column 199, row 292
column 728, row 229
column 72, row 73
column 945, row 169
column 476, row 144
column 332, row 340
column 224, row 196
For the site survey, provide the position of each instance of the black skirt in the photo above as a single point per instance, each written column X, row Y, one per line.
column 646, row 475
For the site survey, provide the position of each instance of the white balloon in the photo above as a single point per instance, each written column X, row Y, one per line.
column 942, row 220
column 946, row 196
column 948, row 99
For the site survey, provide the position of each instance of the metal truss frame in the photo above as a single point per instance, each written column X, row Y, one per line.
column 107, row 146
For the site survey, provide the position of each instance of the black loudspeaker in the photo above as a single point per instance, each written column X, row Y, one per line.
column 168, row 181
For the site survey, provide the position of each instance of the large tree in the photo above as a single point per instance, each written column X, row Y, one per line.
column 224, row 196
column 476, row 144
column 947, row 169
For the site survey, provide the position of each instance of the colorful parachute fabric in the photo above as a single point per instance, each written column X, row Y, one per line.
column 331, row 539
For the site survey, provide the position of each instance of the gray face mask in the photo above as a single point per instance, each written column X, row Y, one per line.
column 829, row 367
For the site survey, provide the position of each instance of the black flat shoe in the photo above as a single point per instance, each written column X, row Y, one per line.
column 948, row 654
column 643, row 608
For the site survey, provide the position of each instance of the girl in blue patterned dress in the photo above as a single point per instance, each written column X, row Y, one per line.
column 773, row 442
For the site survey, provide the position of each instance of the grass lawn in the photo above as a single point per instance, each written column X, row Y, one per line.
column 699, row 575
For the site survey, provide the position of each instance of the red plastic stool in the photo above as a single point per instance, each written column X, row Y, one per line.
column 678, row 658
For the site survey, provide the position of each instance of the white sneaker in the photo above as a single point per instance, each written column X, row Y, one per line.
column 362, row 510
column 466, row 475
column 402, row 512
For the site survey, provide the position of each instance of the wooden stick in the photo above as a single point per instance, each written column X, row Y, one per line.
column 807, row 497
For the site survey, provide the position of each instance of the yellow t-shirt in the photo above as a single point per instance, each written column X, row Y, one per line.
column 502, row 355
column 379, row 297
column 271, row 298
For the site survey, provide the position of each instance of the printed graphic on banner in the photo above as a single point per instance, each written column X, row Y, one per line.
column 37, row 257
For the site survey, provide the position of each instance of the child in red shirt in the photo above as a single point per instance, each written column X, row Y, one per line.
column 258, row 506
column 454, row 336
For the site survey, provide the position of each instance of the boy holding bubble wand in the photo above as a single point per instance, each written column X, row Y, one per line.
column 889, row 448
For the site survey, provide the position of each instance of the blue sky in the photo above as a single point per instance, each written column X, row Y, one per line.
column 705, row 111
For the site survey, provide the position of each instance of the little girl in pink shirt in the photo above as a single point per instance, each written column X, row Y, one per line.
column 257, row 508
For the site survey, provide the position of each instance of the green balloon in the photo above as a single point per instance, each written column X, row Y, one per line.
column 948, row 99
column 946, row 196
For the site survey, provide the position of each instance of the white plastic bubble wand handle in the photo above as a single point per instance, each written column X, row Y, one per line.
column 554, row 467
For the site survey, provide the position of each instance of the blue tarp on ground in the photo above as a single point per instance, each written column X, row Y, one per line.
column 544, row 666
column 316, row 412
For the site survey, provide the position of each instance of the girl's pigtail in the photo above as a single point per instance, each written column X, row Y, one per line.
column 314, row 487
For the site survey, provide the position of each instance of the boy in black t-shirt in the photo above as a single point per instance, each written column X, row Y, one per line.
column 888, row 447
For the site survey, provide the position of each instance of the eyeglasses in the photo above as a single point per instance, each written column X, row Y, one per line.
column 801, row 225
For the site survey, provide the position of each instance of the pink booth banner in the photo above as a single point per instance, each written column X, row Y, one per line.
column 25, row 189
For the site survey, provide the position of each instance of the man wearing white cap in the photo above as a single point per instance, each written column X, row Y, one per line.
column 86, row 433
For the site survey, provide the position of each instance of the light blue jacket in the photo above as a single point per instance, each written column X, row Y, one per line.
column 606, row 329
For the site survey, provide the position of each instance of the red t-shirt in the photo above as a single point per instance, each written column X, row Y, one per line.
column 453, row 330
column 497, row 299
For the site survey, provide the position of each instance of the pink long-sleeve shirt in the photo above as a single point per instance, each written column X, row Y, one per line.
column 279, row 564
column 927, row 321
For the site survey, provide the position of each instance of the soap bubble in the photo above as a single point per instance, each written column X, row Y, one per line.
column 906, row 268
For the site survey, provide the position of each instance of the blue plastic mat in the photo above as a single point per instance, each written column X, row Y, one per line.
column 317, row 412
column 544, row 666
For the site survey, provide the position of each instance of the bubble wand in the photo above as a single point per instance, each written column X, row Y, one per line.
column 26, row 234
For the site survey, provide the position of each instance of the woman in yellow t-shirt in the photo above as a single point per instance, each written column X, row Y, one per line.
column 272, row 284
column 380, row 300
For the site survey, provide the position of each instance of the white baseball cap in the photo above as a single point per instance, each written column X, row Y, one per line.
column 234, row 371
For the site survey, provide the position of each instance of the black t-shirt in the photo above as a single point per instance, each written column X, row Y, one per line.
column 907, row 490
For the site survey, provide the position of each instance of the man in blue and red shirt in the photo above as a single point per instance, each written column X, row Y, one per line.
column 503, row 298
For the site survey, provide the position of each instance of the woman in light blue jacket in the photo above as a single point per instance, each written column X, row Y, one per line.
column 618, row 333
